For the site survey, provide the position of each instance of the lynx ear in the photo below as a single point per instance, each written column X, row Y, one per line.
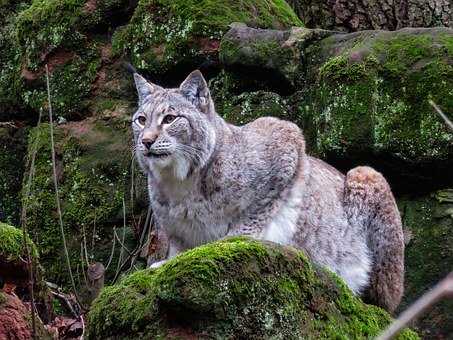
column 196, row 90
column 144, row 89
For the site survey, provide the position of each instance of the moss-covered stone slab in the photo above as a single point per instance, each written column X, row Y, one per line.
column 235, row 288
column 163, row 34
column 370, row 93
column 428, row 223
column 274, row 55
column 94, row 159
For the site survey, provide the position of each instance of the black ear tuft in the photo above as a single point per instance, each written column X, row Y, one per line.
column 196, row 90
column 144, row 89
column 129, row 68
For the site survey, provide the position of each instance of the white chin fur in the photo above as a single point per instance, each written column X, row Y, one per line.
column 181, row 167
column 177, row 164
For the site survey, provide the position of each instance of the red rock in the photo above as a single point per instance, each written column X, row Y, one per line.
column 14, row 319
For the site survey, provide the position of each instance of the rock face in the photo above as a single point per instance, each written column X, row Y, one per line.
column 237, row 287
column 162, row 36
column 359, row 15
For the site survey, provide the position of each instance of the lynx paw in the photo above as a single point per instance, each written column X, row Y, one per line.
column 157, row 264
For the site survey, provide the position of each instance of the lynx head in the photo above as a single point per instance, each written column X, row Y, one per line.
column 174, row 128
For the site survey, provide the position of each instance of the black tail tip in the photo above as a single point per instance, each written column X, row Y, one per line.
column 128, row 66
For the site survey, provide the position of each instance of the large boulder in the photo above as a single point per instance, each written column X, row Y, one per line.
column 238, row 288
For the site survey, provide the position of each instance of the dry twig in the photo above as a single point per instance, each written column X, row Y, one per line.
column 444, row 117
column 57, row 198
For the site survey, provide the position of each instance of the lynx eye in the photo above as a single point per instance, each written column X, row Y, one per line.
column 140, row 120
column 168, row 119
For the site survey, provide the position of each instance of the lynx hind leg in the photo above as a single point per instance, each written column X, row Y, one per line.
column 370, row 203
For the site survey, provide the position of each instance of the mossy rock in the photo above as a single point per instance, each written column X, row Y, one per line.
column 94, row 176
column 235, row 288
column 274, row 56
column 359, row 98
column 71, row 37
column 12, row 156
column 428, row 222
column 165, row 34
column 238, row 107
column 369, row 93
column 12, row 245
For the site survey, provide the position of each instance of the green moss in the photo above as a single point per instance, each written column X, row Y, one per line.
column 12, row 243
column 53, row 32
column 47, row 25
column 163, row 33
column 372, row 96
column 93, row 166
column 428, row 221
column 236, row 287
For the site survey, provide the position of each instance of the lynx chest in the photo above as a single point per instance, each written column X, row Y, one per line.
column 191, row 219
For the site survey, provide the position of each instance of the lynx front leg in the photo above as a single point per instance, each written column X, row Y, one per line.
column 174, row 248
column 370, row 205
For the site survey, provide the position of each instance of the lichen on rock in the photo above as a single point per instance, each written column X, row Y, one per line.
column 235, row 287
column 370, row 94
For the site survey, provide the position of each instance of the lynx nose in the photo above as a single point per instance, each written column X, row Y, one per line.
column 148, row 139
column 147, row 142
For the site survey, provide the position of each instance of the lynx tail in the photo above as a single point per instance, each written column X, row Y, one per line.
column 370, row 203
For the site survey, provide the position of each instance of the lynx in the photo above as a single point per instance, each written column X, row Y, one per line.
column 208, row 179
